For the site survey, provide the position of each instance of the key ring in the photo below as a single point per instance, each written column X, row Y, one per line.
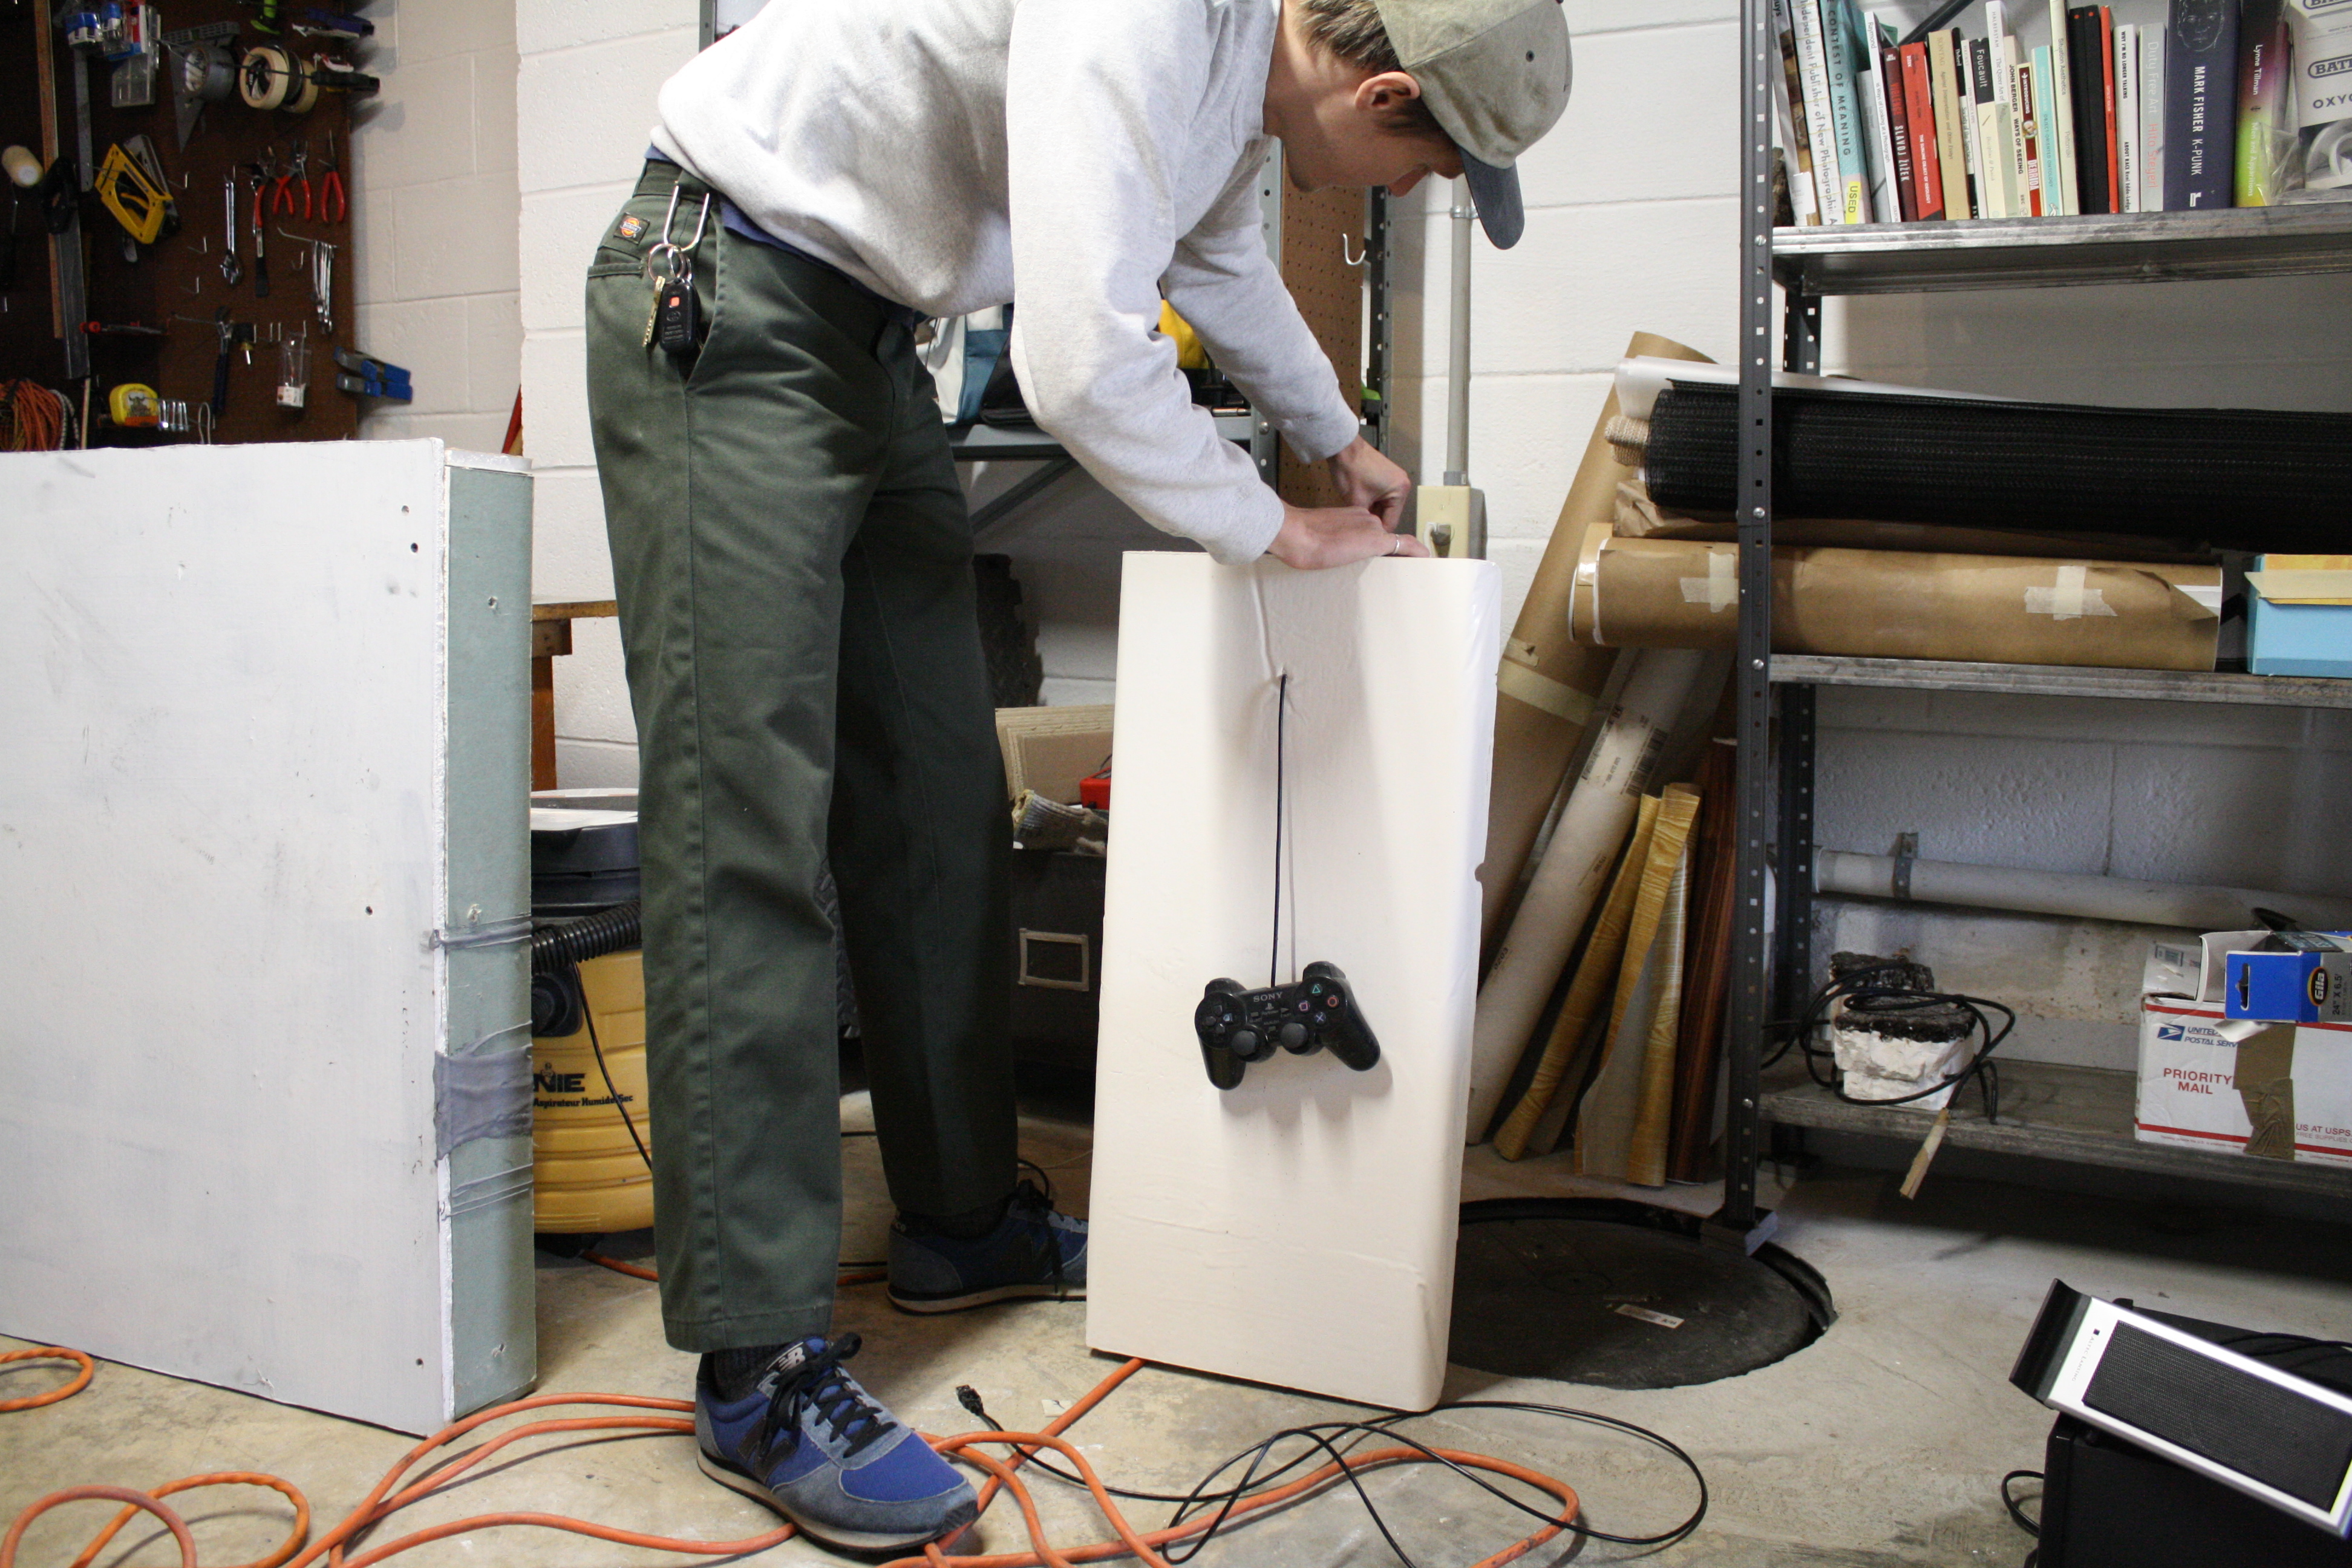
column 676, row 258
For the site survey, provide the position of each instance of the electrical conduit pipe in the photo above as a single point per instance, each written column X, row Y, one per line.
column 2063, row 893
column 1584, row 845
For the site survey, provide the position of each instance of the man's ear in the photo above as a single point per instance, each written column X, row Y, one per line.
column 1386, row 92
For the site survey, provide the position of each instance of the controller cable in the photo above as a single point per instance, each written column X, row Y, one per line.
column 1281, row 713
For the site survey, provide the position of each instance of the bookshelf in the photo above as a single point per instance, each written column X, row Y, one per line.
column 2078, row 1115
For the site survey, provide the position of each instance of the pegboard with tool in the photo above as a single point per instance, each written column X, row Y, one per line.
column 180, row 215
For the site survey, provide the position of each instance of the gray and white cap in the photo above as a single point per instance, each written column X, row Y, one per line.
column 1496, row 74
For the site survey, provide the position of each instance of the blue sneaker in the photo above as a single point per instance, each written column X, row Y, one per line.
column 814, row 1445
column 1033, row 1252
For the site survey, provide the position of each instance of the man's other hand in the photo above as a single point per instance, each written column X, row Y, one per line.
column 1316, row 537
column 1367, row 479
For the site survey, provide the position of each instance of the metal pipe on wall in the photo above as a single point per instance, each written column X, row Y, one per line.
column 2061, row 893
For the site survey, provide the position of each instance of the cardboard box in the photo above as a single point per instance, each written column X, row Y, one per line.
column 1049, row 750
column 2306, row 986
column 2283, row 1093
column 2299, row 616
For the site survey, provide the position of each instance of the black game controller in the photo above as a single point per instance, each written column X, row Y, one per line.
column 1237, row 1026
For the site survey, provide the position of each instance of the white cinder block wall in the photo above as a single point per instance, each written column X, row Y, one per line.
column 433, row 212
column 1631, row 225
column 590, row 69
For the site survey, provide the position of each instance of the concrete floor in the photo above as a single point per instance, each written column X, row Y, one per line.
column 1879, row 1445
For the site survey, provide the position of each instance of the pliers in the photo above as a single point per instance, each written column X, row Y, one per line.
column 281, row 195
column 302, row 173
column 333, row 206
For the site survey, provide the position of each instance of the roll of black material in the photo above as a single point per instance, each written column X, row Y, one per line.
column 2235, row 479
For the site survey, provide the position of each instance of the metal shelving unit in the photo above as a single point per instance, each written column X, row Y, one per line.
column 2075, row 1114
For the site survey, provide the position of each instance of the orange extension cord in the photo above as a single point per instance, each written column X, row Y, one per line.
column 390, row 1495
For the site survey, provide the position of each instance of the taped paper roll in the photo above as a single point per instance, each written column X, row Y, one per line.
column 1599, row 811
column 1669, row 593
column 1549, row 681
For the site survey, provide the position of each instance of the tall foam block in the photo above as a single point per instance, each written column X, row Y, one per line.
column 1298, row 1230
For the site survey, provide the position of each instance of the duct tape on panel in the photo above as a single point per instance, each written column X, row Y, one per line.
column 484, row 1096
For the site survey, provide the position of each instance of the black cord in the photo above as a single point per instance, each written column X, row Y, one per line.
column 1281, row 713
column 2031, row 1527
column 610, row 1087
column 1853, row 986
column 1336, row 1439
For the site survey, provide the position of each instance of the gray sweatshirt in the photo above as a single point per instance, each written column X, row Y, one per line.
column 1074, row 158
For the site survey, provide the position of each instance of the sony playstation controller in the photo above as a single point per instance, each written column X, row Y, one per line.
column 1316, row 1013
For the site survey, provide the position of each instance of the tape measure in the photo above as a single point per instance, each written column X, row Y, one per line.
column 135, row 405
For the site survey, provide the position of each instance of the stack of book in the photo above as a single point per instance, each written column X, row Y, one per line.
column 2232, row 102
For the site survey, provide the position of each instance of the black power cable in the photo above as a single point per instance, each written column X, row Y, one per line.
column 1336, row 1438
column 1855, row 986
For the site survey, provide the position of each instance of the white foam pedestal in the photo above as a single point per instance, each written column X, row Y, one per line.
column 265, row 1093
column 1298, row 1230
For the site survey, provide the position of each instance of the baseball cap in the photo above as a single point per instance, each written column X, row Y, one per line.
column 1496, row 74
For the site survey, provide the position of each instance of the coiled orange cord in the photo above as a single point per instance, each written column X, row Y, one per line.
column 50, row 1352
column 394, row 1492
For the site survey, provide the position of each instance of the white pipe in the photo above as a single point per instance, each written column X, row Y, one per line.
column 2061, row 893
column 1457, row 344
column 1593, row 827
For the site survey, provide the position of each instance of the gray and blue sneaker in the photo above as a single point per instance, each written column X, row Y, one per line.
column 811, row 1444
column 1033, row 1252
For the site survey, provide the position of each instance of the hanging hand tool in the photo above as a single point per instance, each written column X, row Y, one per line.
column 260, row 236
column 333, row 206
column 368, row 377
column 132, row 188
column 321, row 23
column 231, row 268
column 120, row 330
column 322, row 278
column 281, row 195
column 301, row 172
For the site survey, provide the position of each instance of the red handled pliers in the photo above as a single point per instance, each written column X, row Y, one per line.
column 333, row 206
column 281, row 195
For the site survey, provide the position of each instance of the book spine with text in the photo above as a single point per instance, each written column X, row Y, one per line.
column 1842, row 44
column 2200, row 116
column 2151, row 119
column 1992, row 152
column 1919, row 111
column 2107, row 62
column 1971, row 137
column 2266, row 116
column 1951, row 143
column 2045, row 116
column 2090, row 107
column 2061, row 103
column 1877, row 135
column 1812, row 65
column 1898, row 133
column 1788, row 100
column 2030, row 125
column 2007, row 123
column 2127, row 113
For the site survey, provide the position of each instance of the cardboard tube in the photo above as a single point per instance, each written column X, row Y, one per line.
column 1549, row 681
column 2078, row 897
column 1666, row 593
column 1599, row 811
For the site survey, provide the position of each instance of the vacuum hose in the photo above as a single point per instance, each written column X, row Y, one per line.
column 576, row 942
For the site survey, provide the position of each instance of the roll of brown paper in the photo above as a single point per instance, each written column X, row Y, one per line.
column 1665, row 593
column 1549, row 681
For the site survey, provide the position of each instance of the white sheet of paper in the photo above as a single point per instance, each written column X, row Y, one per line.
column 1298, row 1230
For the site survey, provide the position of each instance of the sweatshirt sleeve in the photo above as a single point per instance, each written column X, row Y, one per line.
column 1224, row 284
column 1102, row 105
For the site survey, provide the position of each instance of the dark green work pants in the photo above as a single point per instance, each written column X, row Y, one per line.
column 793, row 563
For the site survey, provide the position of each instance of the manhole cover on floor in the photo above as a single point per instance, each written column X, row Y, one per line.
column 1621, row 1296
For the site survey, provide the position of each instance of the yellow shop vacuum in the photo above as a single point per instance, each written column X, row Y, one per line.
column 591, row 1141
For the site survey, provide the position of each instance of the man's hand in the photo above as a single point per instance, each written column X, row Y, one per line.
column 1316, row 537
column 1367, row 479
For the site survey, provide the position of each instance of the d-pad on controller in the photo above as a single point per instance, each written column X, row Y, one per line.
column 1317, row 1012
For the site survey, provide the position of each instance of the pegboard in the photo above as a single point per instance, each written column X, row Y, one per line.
column 1323, row 263
column 178, row 283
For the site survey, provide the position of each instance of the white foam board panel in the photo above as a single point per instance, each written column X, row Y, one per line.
column 262, row 797
column 1298, row 1230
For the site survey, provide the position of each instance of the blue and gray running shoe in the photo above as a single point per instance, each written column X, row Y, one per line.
column 1033, row 1251
column 814, row 1445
